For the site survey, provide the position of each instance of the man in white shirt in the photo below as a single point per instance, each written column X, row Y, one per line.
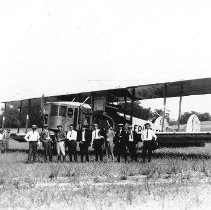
column 97, row 143
column 147, row 136
column 72, row 143
column 33, row 137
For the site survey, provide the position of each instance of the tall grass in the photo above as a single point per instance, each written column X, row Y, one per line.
column 105, row 185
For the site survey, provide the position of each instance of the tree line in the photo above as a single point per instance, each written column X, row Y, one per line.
column 14, row 118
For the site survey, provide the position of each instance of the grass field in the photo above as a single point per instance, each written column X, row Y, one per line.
column 177, row 178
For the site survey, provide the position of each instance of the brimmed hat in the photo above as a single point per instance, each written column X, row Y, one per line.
column 84, row 126
column 130, row 126
column 120, row 125
column 95, row 124
column 45, row 126
column 59, row 126
column 147, row 124
column 34, row 126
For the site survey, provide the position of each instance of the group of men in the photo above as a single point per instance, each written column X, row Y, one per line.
column 125, row 140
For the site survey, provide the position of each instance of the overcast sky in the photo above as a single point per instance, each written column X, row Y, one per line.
column 55, row 47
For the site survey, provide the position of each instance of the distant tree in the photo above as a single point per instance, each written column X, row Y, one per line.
column 172, row 122
column 202, row 116
column 184, row 117
column 35, row 116
column 1, row 116
column 141, row 112
column 138, row 110
column 11, row 117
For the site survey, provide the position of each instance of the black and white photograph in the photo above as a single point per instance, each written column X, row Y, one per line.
column 105, row 104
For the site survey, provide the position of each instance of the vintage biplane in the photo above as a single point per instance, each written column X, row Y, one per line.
column 108, row 107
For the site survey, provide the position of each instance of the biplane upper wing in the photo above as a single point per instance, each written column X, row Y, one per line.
column 112, row 95
column 140, row 92
column 172, row 89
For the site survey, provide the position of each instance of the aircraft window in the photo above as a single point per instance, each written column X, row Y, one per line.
column 54, row 110
column 70, row 112
column 62, row 111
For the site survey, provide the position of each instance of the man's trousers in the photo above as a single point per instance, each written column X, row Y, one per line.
column 60, row 146
column 132, row 150
column 47, row 150
column 32, row 151
column 147, row 149
column 84, row 145
column 121, row 150
column 98, row 144
column 5, row 145
column 72, row 150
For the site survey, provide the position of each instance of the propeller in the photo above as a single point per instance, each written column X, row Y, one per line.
column 98, row 115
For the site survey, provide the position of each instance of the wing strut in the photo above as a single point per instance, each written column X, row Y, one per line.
column 164, row 106
column 19, row 117
column 180, row 106
column 132, row 102
column 28, row 114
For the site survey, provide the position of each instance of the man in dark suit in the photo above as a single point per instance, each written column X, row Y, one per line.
column 84, row 138
column 120, row 143
column 131, row 139
column 45, row 138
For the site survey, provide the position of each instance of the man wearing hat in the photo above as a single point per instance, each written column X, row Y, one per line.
column 45, row 138
column 131, row 139
column 120, row 143
column 5, row 140
column 33, row 138
column 147, row 136
column 60, row 145
column 97, row 143
column 72, row 143
column 84, row 137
